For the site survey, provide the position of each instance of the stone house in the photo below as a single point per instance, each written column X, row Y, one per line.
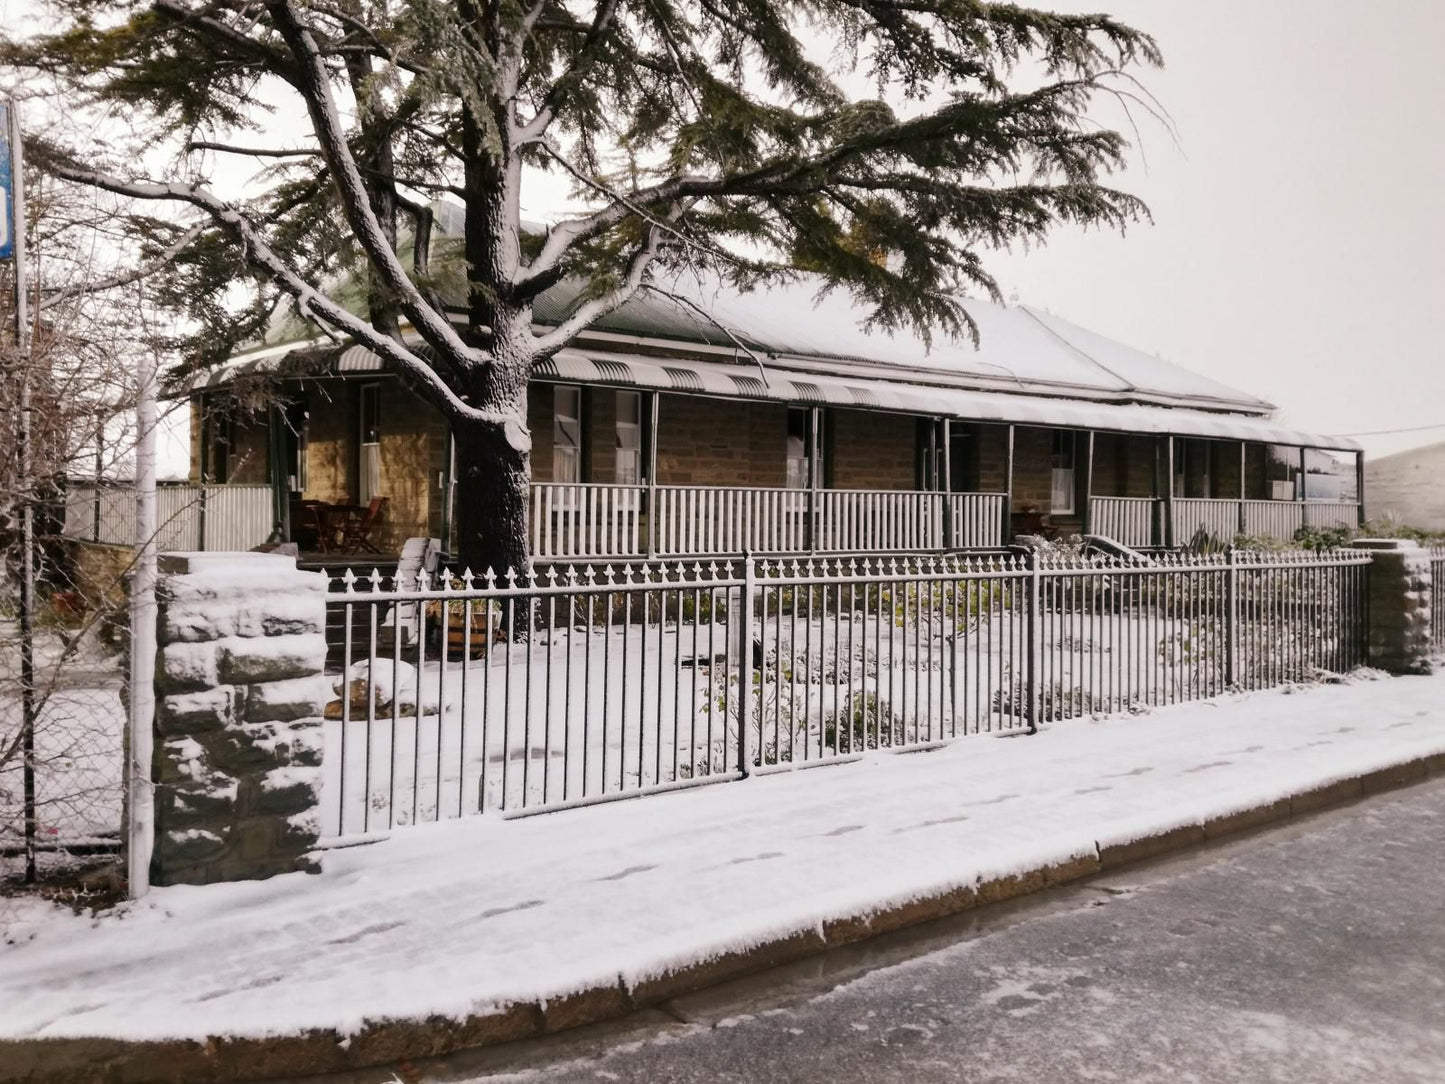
column 776, row 424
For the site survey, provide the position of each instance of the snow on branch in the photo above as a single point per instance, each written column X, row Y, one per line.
column 311, row 302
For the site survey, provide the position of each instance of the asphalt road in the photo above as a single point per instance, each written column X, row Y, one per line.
column 1313, row 953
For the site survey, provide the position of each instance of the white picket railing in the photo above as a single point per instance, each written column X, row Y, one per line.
column 865, row 521
column 1272, row 519
column 1332, row 514
column 1127, row 520
column 576, row 520
column 572, row 522
column 188, row 517
column 1218, row 519
column 703, row 520
column 977, row 520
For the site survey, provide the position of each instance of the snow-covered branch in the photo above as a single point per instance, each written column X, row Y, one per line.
column 590, row 311
column 314, row 84
column 311, row 302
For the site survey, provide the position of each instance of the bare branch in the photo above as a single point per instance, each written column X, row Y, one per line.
column 168, row 254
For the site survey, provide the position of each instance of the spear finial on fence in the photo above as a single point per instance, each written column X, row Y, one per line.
column 375, row 579
column 348, row 581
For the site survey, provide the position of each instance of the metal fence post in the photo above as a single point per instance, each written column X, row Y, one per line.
column 1031, row 691
column 744, row 642
column 1231, row 619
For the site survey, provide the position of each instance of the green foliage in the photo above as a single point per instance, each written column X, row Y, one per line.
column 733, row 124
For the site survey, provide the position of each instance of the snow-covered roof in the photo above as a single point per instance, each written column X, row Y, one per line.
column 1030, row 367
column 787, row 380
column 1020, row 348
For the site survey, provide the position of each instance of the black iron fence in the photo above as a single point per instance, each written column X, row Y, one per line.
column 459, row 694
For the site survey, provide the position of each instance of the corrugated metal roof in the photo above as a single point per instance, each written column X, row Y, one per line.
column 735, row 380
column 1019, row 348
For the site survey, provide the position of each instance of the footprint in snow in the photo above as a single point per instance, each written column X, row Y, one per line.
column 1091, row 790
column 1131, row 771
column 628, row 872
column 1206, row 767
column 996, row 801
column 843, row 830
column 756, row 857
column 525, row 905
column 930, row 824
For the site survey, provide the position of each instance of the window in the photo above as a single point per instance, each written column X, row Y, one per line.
column 1191, row 467
column 1061, row 462
column 297, row 421
column 800, row 463
column 629, row 438
column 369, row 460
column 1330, row 476
column 1282, row 472
column 566, row 433
column 223, row 440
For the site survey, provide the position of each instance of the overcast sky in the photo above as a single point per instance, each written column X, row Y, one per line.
column 1298, row 248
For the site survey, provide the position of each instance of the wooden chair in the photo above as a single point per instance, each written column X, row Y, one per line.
column 359, row 531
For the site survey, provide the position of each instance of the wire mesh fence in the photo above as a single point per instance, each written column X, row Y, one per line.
column 61, row 776
column 457, row 694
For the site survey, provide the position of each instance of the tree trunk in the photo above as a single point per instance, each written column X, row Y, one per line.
column 491, row 500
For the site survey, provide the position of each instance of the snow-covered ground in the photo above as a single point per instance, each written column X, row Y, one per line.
column 593, row 710
column 457, row 917
column 79, row 731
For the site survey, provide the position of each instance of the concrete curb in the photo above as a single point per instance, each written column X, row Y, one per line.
column 224, row 1060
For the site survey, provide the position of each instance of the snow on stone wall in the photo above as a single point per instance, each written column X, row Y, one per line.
column 238, row 716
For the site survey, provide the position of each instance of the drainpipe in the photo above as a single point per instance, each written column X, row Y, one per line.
column 1169, row 492
column 1241, row 487
column 1089, row 486
column 449, row 455
column 815, row 470
column 1008, row 496
column 652, row 415
column 1360, row 487
column 948, row 540
column 1303, row 490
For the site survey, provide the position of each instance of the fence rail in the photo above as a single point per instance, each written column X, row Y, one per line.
column 456, row 697
column 1128, row 520
column 590, row 522
column 1216, row 518
column 189, row 517
column 1332, row 514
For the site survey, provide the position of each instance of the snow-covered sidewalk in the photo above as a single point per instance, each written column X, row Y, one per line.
column 455, row 918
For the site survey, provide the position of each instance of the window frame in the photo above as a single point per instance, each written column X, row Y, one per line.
column 568, row 450
column 625, row 431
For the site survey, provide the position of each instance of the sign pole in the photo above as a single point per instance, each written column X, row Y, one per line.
column 13, row 239
column 140, row 797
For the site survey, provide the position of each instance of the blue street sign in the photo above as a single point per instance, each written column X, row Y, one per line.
column 7, row 188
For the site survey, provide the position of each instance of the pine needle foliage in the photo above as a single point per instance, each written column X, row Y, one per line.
column 882, row 147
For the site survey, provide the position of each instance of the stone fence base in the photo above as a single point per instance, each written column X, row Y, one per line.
column 239, row 699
